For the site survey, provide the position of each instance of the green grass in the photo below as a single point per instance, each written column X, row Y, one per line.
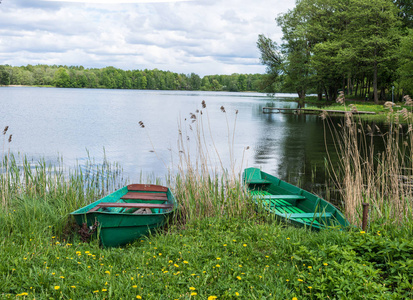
column 227, row 258
column 243, row 256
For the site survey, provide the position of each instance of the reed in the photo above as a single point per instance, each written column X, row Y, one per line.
column 384, row 178
column 42, row 194
column 204, row 185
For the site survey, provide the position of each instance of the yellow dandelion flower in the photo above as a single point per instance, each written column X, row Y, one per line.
column 294, row 298
column 160, row 254
column 192, row 288
column 236, row 294
column 362, row 232
column 185, row 262
column 104, row 290
column 218, row 258
column 225, row 245
column 176, row 265
column 56, row 287
column 96, row 291
column 218, row 266
column 62, row 277
column 287, row 280
column 310, row 267
column 245, row 245
column 326, row 264
column 212, row 297
column 134, row 286
column 194, row 294
column 239, row 277
column 300, row 280
column 107, row 272
column 138, row 297
column 310, row 287
column 73, row 286
column 170, row 261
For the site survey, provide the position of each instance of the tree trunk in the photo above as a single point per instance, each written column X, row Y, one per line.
column 320, row 96
column 375, row 94
column 357, row 86
column 326, row 92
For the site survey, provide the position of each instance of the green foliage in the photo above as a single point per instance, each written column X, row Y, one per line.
column 331, row 45
column 113, row 78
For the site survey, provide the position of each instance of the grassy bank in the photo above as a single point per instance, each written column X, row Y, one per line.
column 245, row 256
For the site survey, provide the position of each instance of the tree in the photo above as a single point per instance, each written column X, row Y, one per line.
column 406, row 63
column 328, row 42
column 4, row 76
column 271, row 58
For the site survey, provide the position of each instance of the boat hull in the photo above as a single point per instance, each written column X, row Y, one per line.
column 291, row 204
column 117, row 216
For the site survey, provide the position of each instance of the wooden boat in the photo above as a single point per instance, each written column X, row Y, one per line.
column 128, row 213
column 290, row 203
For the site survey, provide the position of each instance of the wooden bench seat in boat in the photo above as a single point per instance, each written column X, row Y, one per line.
column 147, row 188
column 145, row 196
column 307, row 215
column 276, row 197
column 130, row 205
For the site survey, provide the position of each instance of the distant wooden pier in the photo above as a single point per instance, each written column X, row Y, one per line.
column 269, row 110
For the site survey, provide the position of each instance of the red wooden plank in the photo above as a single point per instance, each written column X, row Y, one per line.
column 134, row 205
column 147, row 187
column 94, row 209
column 145, row 196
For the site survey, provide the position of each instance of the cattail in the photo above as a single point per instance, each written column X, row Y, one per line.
column 5, row 130
column 236, row 111
column 405, row 114
column 10, row 138
column 348, row 119
column 222, row 109
column 408, row 100
column 203, row 104
column 340, row 99
column 141, row 124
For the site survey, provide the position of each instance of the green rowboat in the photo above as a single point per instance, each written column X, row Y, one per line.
column 290, row 203
column 128, row 213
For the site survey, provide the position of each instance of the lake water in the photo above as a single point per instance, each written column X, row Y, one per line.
column 76, row 123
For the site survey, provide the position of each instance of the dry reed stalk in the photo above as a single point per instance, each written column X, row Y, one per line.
column 366, row 175
column 205, row 188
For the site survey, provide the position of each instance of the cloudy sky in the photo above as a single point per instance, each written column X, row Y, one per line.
column 200, row 36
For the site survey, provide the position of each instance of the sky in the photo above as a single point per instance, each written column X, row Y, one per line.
column 201, row 36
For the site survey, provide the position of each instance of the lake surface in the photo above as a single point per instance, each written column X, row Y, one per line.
column 77, row 123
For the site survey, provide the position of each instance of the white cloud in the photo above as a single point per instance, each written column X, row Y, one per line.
column 205, row 37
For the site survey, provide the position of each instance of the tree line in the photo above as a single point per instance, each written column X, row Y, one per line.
column 113, row 78
column 361, row 47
